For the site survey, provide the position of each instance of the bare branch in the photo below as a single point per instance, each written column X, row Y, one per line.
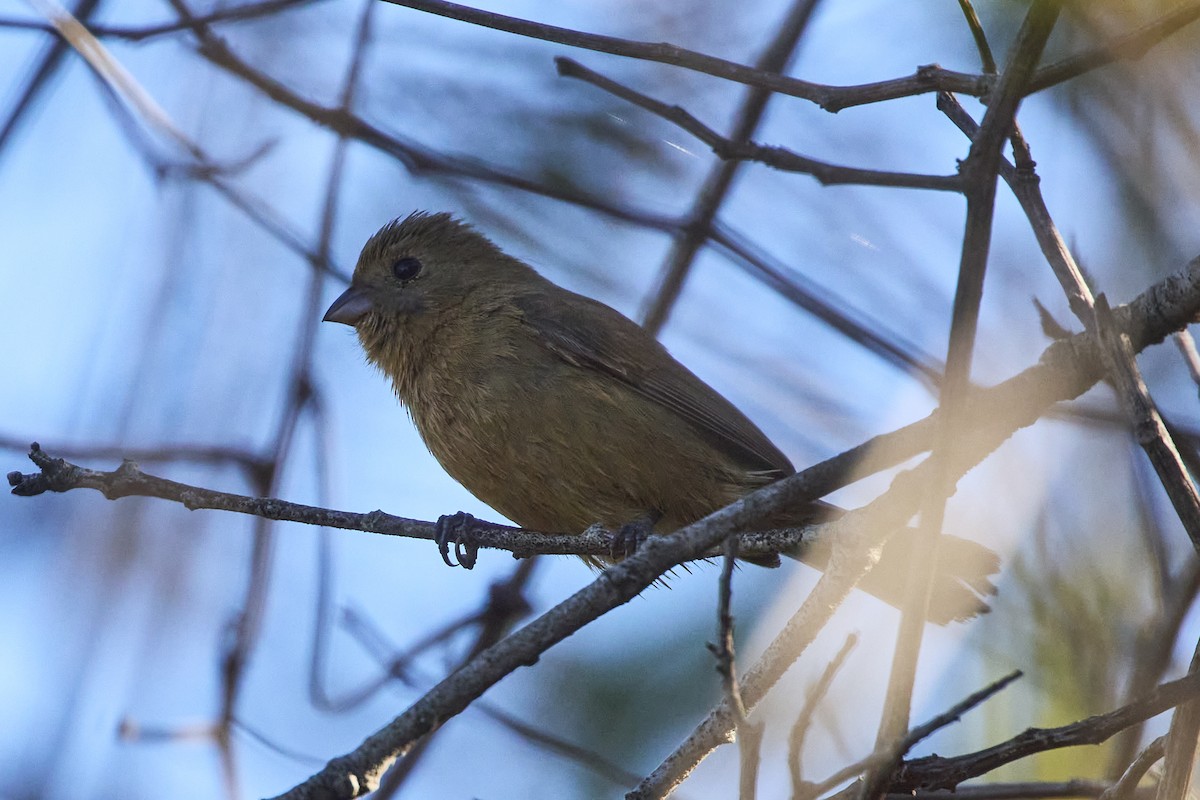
column 1148, row 426
column 938, row 772
column 1024, row 184
column 980, row 172
column 930, row 78
column 749, row 734
column 194, row 453
column 1034, row 790
column 1128, row 47
column 129, row 480
column 778, row 157
column 884, row 760
column 831, row 98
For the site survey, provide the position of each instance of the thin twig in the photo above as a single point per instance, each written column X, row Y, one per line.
column 724, row 649
column 1124, row 788
column 1179, row 750
column 1148, row 426
column 303, row 758
column 804, row 719
column 1032, row 790
column 939, row 772
column 131, row 33
column 831, row 98
column 775, row 58
column 395, row 664
column 129, row 480
column 49, row 63
column 780, row 158
column 1025, row 186
column 798, row 290
column 886, row 759
column 955, row 712
column 187, row 453
column 1126, row 47
column 986, row 59
column 1191, row 357
column 749, row 734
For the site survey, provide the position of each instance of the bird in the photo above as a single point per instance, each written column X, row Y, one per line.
column 560, row 413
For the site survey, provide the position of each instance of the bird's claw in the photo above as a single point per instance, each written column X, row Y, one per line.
column 629, row 538
column 456, row 528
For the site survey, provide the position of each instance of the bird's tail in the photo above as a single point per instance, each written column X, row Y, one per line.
column 961, row 580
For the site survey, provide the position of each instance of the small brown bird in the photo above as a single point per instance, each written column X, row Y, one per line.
column 559, row 412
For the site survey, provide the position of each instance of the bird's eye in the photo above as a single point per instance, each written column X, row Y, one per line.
column 407, row 268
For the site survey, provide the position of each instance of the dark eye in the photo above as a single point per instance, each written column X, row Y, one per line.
column 407, row 268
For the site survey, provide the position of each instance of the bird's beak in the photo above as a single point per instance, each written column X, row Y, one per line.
column 350, row 307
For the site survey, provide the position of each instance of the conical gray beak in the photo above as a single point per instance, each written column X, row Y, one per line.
column 350, row 307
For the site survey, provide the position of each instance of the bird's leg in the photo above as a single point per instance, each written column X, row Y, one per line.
column 631, row 535
column 457, row 528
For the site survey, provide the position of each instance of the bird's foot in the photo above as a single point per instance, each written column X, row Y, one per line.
column 457, row 529
column 629, row 538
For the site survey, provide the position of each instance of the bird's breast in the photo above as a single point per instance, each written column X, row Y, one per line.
column 556, row 447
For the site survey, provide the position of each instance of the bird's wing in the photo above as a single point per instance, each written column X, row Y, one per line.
column 591, row 335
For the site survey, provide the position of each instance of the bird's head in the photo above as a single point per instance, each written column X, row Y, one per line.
column 426, row 281
column 425, row 263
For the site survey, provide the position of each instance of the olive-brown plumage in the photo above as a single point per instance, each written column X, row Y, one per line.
column 552, row 408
